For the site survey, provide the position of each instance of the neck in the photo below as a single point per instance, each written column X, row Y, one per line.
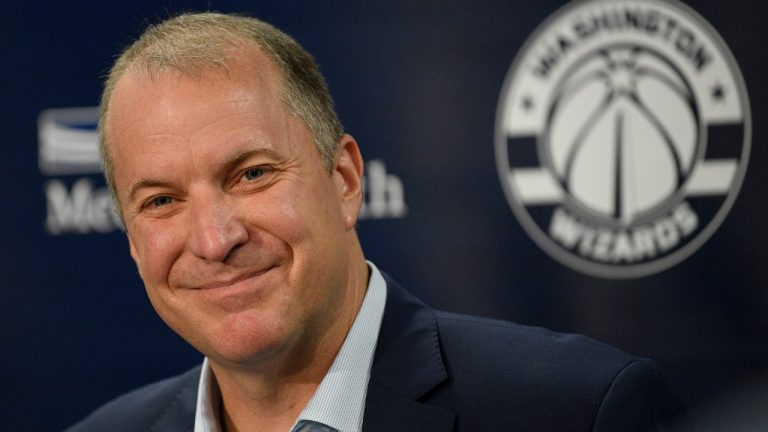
column 271, row 397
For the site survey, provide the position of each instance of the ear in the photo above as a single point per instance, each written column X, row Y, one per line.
column 348, row 178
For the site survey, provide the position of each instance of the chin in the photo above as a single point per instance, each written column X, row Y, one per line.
column 246, row 341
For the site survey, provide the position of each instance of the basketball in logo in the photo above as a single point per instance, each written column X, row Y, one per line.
column 611, row 97
column 622, row 135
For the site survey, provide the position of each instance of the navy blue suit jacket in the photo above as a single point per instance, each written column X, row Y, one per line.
column 441, row 372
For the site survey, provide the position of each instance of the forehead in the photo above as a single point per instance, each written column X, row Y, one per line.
column 158, row 112
column 246, row 69
column 154, row 98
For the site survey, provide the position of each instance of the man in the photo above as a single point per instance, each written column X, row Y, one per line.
column 240, row 192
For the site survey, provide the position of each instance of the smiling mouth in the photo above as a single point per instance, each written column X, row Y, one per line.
column 233, row 281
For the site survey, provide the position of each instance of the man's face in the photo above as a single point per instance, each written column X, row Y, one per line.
column 239, row 232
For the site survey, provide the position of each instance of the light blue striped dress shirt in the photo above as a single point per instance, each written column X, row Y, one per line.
column 339, row 400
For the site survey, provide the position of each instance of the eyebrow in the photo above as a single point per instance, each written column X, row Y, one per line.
column 145, row 184
column 247, row 154
column 228, row 164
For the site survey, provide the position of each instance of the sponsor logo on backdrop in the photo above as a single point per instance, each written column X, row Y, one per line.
column 78, row 201
column 623, row 135
column 383, row 194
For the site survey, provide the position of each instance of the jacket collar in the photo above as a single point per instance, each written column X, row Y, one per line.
column 180, row 413
column 407, row 364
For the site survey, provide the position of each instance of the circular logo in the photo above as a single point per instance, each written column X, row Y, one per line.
column 622, row 135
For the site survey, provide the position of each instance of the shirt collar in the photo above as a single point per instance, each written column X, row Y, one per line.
column 207, row 415
column 339, row 400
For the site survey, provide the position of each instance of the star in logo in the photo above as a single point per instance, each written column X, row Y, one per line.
column 527, row 103
column 717, row 92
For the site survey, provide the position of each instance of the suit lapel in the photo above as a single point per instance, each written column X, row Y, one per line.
column 180, row 415
column 387, row 411
column 406, row 366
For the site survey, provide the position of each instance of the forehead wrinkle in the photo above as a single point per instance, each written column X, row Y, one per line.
column 145, row 159
column 241, row 100
column 249, row 121
column 239, row 138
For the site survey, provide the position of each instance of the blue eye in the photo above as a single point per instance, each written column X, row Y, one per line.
column 253, row 173
column 161, row 201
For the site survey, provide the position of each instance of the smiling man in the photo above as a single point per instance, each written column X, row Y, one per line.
column 240, row 192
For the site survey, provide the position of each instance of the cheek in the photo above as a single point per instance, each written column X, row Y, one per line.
column 310, row 223
column 156, row 247
column 287, row 216
column 290, row 220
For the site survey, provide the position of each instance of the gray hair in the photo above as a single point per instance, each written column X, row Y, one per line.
column 189, row 43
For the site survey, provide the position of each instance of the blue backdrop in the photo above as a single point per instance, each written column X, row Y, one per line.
column 419, row 85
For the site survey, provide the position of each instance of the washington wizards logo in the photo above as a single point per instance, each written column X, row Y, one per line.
column 623, row 134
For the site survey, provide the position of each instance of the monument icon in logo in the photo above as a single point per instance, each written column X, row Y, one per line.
column 623, row 134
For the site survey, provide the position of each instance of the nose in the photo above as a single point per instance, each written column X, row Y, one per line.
column 215, row 229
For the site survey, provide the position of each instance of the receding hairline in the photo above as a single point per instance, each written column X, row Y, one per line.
column 194, row 42
column 239, row 54
column 251, row 61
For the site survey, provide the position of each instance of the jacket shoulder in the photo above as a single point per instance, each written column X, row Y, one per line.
column 548, row 379
column 170, row 402
column 525, row 344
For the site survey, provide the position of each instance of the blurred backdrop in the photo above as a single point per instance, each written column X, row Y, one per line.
column 589, row 167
